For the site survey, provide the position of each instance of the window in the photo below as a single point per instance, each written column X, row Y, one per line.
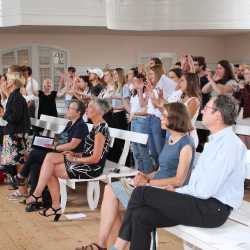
column 52, row 63
column 15, row 56
column 46, row 62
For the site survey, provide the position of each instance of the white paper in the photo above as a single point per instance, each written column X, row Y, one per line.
column 42, row 141
column 75, row 216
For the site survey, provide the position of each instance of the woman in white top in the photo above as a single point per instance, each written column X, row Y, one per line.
column 190, row 86
column 110, row 87
column 137, row 116
column 175, row 74
column 156, row 134
column 223, row 82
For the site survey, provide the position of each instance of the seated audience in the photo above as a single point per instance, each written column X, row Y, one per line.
column 86, row 165
column 211, row 193
column 71, row 139
column 176, row 160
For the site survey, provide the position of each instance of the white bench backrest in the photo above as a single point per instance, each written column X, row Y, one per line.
column 52, row 119
column 127, row 136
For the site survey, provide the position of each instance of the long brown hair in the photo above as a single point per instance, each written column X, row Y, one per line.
column 193, row 85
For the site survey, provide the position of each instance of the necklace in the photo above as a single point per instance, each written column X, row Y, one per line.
column 173, row 141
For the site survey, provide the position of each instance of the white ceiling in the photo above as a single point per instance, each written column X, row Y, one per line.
column 167, row 17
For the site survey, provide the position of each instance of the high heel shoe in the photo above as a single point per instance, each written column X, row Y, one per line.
column 55, row 212
column 35, row 205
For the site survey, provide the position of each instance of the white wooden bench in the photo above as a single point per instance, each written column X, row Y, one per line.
column 233, row 235
column 93, row 185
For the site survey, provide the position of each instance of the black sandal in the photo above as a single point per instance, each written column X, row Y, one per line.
column 55, row 212
column 91, row 247
column 35, row 205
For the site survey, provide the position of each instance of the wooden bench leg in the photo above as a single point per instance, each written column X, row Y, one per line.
column 188, row 246
column 93, row 194
column 63, row 193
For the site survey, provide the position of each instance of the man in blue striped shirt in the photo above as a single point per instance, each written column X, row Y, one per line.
column 216, row 185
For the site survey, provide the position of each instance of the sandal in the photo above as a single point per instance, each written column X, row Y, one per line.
column 91, row 247
column 15, row 195
column 55, row 212
column 34, row 205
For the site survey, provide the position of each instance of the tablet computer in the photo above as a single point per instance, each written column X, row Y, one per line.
column 42, row 142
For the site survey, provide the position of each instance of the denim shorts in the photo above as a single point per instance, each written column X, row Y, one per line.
column 122, row 191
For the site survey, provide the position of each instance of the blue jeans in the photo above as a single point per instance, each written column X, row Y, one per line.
column 143, row 162
column 156, row 137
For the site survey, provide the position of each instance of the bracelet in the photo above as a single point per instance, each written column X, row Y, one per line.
column 55, row 147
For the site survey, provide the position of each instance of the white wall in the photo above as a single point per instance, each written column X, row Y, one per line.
column 238, row 48
column 90, row 49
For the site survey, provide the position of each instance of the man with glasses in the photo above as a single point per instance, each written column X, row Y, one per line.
column 216, row 185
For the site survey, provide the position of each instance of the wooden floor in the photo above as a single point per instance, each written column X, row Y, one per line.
column 30, row 231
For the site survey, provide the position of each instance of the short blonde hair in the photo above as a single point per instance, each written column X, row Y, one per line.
column 17, row 78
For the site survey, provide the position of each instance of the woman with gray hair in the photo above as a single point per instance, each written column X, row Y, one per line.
column 69, row 165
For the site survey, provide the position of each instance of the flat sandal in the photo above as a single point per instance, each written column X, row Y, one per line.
column 91, row 247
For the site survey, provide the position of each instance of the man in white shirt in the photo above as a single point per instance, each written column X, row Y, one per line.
column 216, row 185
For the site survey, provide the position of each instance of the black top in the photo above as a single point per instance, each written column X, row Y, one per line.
column 245, row 100
column 95, row 90
column 47, row 104
column 78, row 130
column 205, row 97
column 16, row 114
column 90, row 142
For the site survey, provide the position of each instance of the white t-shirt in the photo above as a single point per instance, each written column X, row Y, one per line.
column 175, row 96
column 32, row 84
column 167, row 85
column 135, row 104
column 150, row 107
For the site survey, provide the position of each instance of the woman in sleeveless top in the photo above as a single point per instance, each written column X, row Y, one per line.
column 176, row 161
column 190, row 86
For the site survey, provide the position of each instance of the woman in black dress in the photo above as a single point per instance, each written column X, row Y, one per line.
column 68, row 165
